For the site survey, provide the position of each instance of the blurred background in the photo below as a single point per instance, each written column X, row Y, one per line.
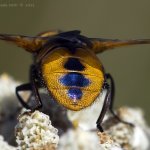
column 130, row 66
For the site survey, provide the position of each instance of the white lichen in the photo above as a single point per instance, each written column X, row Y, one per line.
column 4, row 145
column 34, row 131
column 8, row 99
column 8, row 107
column 127, row 136
column 78, row 139
column 7, row 86
column 107, row 143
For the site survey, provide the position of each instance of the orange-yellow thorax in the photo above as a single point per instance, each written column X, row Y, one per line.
column 73, row 79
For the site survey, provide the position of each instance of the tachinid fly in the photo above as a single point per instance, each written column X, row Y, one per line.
column 69, row 67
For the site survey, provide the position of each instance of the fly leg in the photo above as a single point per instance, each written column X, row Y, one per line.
column 105, row 107
column 112, row 94
column 108, row 103
column 33, row 87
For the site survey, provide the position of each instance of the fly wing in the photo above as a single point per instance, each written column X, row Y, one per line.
column 99, row 45
column 30, row 44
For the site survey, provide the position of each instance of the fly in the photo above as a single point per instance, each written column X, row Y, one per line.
column 70, row 69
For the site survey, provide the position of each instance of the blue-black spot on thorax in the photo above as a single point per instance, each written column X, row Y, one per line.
column 74, row 79
column 74, row 64
column 75, row 93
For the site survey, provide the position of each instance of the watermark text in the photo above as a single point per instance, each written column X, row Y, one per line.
column 15, row 4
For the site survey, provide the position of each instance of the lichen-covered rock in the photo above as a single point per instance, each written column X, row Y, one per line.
column 119, row 135
column 107, row 143
column 35, row 132
column 127, row 136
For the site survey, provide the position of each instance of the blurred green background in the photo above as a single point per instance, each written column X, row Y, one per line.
column 98, row 18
